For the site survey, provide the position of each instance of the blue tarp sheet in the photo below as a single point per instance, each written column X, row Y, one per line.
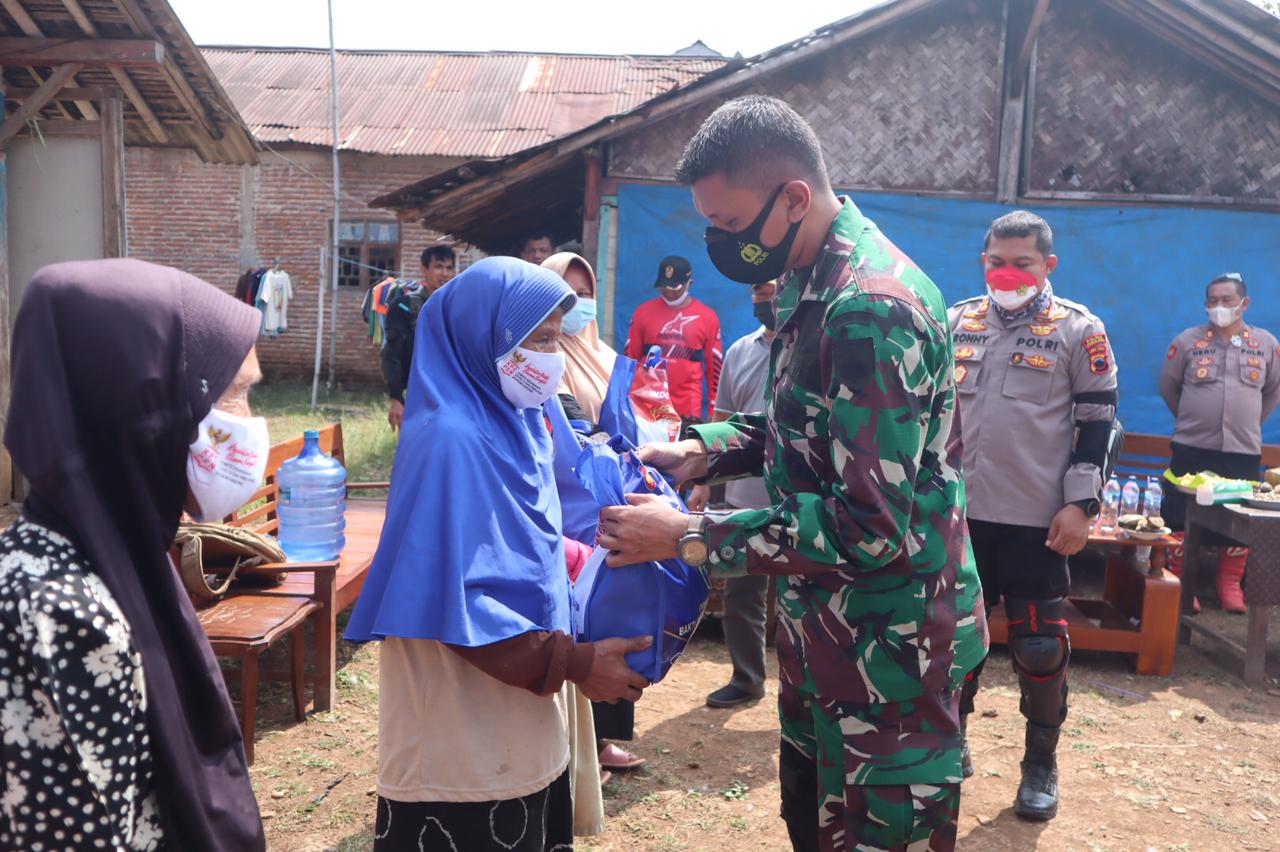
column 1143, row 270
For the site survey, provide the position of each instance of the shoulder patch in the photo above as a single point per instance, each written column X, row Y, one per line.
column 1073, row 307
column 1099, row 358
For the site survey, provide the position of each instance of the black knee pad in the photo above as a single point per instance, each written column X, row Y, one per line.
column 798, row 778
column 1039, row 655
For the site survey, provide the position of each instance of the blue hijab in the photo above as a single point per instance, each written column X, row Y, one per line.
column 471, row 552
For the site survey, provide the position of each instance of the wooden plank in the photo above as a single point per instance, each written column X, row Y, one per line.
column 1255, row 653
column 64, row 127
column 114, row 236
column 154, row 128
column 1032, row 33
column 6, row 466
column 139, row 53
column 30, row 28
column 72, row 93
column 1012, row 116
column 32, row 106
column 1270, row 205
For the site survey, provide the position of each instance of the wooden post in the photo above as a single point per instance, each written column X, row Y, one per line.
column 1021, row 28
column 114, row 240
column 6, row 467
column 591, row 209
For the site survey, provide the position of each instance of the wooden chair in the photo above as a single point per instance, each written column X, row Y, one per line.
column 247, row 621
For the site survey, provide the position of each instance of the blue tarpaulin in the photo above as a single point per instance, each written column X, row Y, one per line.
column 1143, row 270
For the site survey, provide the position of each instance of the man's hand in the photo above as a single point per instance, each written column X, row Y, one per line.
column 698, row 498
column 611, row 679
column 1069, row 531
column 646, row 530
column 395, row 415
column 683, row 460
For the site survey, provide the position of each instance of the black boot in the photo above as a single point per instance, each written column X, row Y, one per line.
column 1038, row 792
column 966, row 757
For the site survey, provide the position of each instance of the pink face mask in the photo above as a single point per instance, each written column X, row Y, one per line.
column 1011, row 288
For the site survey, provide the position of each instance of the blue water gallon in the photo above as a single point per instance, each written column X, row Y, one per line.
column 312, row 504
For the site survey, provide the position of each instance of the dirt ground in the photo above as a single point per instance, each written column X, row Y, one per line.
column 1183, row 763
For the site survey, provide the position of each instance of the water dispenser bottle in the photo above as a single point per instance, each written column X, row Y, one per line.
column 312, row 504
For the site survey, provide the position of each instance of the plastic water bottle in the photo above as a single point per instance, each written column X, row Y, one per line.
column 312, row 504
column 1110, row 507
column 1130, row 496
column 1153, row 499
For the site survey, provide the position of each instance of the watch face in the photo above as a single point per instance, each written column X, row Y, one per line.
column 693, row 552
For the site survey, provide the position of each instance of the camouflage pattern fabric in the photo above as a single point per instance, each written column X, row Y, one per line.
column 860, row 451
column 902, row 818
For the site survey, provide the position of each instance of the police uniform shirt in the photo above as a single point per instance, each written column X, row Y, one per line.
column 1037, row 399
column 1221, row 392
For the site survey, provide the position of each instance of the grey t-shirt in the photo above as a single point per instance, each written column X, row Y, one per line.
column 741, row 389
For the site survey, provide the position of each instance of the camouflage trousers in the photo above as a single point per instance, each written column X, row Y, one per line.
column 869, row 777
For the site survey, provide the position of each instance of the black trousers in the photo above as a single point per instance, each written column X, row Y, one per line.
column 614, row 721
column 1193, row 460
column 539, row 822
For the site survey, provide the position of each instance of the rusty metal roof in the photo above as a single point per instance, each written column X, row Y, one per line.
column 440, row 104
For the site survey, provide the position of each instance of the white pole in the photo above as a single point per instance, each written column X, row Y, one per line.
column 315, row 376
column 333, row 248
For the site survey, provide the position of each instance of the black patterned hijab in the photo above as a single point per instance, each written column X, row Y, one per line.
column 115, row 363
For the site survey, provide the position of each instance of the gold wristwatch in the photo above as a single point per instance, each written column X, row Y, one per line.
column 693, row 547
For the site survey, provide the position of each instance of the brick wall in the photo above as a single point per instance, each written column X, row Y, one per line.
column 216, row 221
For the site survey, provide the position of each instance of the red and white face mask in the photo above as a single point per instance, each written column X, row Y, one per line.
column 226, row 463
column 1011, row 288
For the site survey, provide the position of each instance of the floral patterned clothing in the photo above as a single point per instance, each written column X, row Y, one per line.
column 76, row 755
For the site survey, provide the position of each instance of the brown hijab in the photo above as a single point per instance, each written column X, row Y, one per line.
column 115, row 362
column 588, row 359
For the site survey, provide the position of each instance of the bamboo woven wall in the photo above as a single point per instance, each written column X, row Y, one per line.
column 912, row 107
column 1118, row 110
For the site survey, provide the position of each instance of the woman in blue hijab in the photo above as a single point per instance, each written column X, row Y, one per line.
column 469, row 593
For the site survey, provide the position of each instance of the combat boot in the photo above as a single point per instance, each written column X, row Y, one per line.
column 1173, row 561
column 1038, row 792
column 966, row 757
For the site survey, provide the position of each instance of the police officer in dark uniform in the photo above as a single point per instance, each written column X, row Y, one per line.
column 1037, row 395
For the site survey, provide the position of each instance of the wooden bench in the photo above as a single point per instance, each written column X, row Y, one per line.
column 1138, row 611
column 247, row 621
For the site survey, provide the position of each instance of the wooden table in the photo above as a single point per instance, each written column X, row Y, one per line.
column 1259, row 530
column 1138, row 611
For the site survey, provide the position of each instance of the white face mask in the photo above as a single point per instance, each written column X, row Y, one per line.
column 226, row 463
column 1009, row 299
column 1223, row 316
column 530, row 378
column 681, row 302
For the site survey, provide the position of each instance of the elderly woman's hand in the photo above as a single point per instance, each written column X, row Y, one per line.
column 611, row 679
column 682, row 460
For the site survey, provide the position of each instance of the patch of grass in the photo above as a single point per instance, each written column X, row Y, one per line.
column 738, row 824
column 737, row 791
column 367, row 440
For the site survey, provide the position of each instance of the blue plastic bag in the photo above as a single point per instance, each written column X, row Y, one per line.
column 578, row 509
column 664, row 600
column 617, row 417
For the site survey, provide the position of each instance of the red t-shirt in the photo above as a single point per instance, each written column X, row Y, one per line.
column 690, row 339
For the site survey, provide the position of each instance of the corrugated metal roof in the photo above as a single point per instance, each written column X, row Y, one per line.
column 442, row 104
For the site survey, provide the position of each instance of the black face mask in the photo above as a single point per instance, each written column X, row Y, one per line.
column 741, row 257
column 765, row 314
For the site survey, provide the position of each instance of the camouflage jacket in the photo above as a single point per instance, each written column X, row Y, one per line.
column 860, row 450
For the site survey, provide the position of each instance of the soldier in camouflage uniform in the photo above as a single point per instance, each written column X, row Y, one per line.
column 859, row 448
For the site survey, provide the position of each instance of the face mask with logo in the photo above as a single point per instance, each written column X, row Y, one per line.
column 1011, row 288
column 530, row 378
column 226, row 462
column 741, row 256
column 581, row 316
column 765, row 314
column 1223, row 316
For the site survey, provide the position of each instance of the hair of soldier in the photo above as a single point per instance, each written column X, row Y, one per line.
column 1021, row 223
column 753, row 140
column 441, row 252
column 1229, row 278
